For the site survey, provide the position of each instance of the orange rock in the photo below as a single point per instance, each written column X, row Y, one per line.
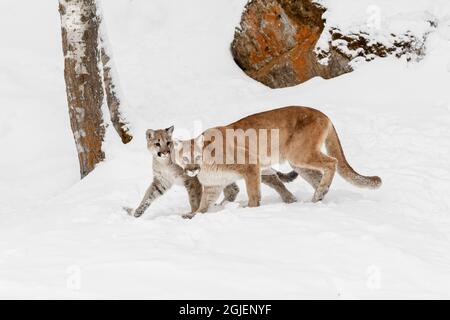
column 276, row 40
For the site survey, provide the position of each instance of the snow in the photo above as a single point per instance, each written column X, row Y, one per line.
column 386, row 22
column 394, row 16
column 64, row 238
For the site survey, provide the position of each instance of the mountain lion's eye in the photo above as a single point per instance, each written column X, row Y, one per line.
column 158, row 144
column 169, row 143
column 185, row 159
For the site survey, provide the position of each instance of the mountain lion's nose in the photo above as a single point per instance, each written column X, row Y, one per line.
column 192, row 173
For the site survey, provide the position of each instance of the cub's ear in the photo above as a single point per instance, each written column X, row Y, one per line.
column 150, row 134
column 200, row 141
column 177, row 144
column 170, row 130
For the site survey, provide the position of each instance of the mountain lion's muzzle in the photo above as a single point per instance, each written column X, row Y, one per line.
column 192, row 170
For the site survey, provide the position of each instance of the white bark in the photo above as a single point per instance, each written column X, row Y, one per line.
column 84, row 84
column 114, row 96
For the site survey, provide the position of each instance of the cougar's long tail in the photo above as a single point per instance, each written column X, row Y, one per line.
column 334, row 149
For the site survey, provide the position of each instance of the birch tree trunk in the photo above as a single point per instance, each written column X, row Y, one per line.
column 112, row 93
column 88, row 75
column 84, row 86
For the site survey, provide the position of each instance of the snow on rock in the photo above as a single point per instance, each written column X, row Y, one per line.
column 367, row 29
column 64, row 238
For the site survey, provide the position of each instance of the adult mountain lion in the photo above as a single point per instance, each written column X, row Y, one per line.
column 300, row 134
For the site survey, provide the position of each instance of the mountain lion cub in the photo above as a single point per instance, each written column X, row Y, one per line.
column 166, row 173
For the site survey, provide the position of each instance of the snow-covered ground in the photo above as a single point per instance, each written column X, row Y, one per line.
column 64, row 238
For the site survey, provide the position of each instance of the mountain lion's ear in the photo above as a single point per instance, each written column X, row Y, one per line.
column 150, row 134
column 200, row 141
column 177, row 144
column 170, row 130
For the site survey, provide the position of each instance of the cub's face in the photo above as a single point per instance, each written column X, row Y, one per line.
column 188, row 155
column 160, row 143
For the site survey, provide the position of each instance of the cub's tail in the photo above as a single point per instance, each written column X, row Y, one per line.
column 287, row 177
column 334, row 149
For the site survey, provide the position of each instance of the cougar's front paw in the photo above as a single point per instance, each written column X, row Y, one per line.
column 188, row 216
column 290, row 198
column 254, row 203
column 134, row 213
column 138, row 213
column 319, row 195
column 128, row 210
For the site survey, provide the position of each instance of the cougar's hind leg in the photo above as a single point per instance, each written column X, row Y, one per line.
column 304, row 153
column 272, row 180
column 327, row 165
column 313, row 177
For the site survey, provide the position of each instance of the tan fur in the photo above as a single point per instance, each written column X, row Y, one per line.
column 302, row 133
